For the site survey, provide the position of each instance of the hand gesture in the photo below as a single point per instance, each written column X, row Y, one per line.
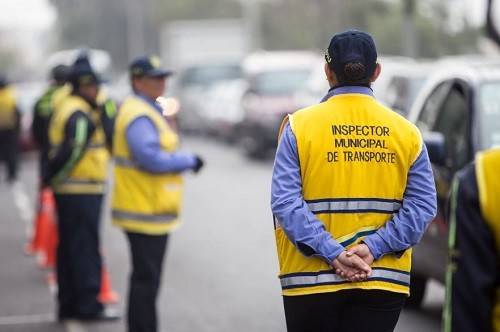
column 198, row 164
column 351, row 267
column 362, row 251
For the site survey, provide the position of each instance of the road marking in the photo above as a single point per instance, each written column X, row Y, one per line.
column 73, row 325
column 26, row 319
column 24, row 205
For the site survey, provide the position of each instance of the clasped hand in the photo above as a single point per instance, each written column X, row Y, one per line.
column 354, row 264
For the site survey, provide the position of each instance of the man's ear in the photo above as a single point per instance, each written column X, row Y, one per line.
column 330, row 76
column 376, row 73
column 328, row 72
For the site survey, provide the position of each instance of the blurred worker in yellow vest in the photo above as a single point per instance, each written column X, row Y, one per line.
column 9, row 129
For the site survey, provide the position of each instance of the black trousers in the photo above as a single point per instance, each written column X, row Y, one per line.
column 147, row 252
column 9, row 151
column 78, row 256
column 347, row 310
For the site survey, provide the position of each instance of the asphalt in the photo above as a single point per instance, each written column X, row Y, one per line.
column 27, row 291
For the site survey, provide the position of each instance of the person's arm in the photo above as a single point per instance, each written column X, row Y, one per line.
column 300, row 225
column 143, row 139
column 76, row 135
column 419, row 207
column 473, row 270
column 107, row 114
column 38, row 125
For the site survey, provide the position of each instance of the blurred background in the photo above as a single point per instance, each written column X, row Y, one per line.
column 234, row 43
column 30, row 30
column 240, row 67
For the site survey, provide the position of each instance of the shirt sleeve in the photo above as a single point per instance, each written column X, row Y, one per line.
column 300, row 225
column 144, row 142
column 418, row 209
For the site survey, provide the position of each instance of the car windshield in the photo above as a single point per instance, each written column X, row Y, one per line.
column 489, row 104
column 278, row 82
column 204, row 76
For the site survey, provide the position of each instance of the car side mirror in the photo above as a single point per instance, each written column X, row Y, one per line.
column 436, row 147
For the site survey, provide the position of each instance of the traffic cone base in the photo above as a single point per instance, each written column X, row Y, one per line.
column 41, row 223
column 107, row 295
column 46, row 256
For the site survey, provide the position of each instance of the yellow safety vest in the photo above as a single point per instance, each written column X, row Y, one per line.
column 354, row 157
column 144, row 202
column 487, row 172
column 8, row 117
column 89, row 173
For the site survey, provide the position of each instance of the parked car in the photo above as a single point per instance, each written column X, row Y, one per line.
column 273, row 78
column 458, row 113
column 222, row 109
column 403, row 81
column 191, row 83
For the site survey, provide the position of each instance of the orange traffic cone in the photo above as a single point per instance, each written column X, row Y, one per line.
column 47, row 256
column 107, row 295
column 41, row 225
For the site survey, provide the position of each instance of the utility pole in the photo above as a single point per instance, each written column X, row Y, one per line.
column 409, row 42
column 135, row 28
column 492, row 23
column 251, row 12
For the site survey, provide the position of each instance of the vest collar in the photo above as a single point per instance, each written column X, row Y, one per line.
column 347, row 89
column 150, row 101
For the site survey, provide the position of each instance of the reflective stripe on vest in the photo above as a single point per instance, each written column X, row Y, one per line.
column 96, row 145
column 123, row 162
column 354, row 205
column 310, row 279
column 165, row 218
column 80, row 181
column 88, row 146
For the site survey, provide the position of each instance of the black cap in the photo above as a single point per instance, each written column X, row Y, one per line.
column 352, row 46
column 148, row 65
column 81, row 72
column 60, row 73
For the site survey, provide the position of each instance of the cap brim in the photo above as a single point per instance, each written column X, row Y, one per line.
column 159, row 73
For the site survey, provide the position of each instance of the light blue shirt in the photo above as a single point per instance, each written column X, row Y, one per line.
column 144, row 142
column 309, row 234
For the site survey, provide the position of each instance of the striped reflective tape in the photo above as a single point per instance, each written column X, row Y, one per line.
column 123, row 162
column 354, row 206
column 144, row 217
column 81, row 181
column 95, row 145
column 300, row 280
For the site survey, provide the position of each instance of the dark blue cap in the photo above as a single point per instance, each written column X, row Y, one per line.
column 81, row 72
column 60, row 72
column 148, row 65
column 352, row 46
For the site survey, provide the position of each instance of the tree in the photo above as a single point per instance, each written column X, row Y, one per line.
column 285, row 24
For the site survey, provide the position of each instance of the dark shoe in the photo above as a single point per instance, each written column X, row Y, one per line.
column 62, row 318
column 107, row 314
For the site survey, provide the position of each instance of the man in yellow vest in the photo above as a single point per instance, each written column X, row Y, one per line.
column 9, row 129
column 473, row 280
column 76, row 171
column 148, row 185
column 42, row 112
column 352, row 192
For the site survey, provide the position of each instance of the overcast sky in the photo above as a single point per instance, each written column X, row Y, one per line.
column 26, row 14
column 38, row 14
